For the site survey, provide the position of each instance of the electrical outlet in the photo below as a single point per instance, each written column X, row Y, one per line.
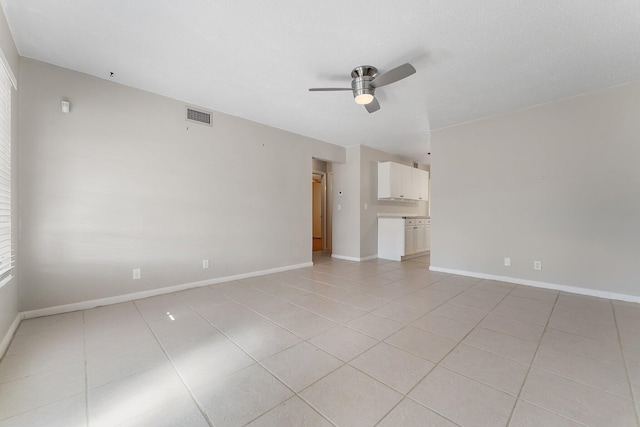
column 205, row 263
column 365, row 206
column 507, row 262
column 537, row 265
column 339, row 207
column 136, row 274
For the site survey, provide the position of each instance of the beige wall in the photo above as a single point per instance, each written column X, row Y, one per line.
column 356, row 236
column 558, row 183
column 123, row 181
column 319, row 165
column 9, row 306
column 7, row 45
column 345, row 236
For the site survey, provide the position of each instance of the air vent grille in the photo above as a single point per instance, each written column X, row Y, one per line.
column 198, row 116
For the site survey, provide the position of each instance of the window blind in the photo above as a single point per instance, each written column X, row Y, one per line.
column 6, row 252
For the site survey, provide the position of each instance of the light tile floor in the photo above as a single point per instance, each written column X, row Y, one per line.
column 342, row 343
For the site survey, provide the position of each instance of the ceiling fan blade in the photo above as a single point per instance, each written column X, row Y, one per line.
column 327, row 89
column 392, row 76
column 373, row 106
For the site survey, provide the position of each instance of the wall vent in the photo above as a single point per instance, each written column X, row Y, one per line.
column 198, row 116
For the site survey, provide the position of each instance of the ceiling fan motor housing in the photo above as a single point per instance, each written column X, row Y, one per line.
column 362, row 78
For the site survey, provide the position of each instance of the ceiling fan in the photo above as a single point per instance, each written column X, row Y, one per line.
column 366, row 80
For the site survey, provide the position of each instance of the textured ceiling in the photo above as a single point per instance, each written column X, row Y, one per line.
column 256, row 59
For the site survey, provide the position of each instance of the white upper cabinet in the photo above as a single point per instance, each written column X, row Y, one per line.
column 397, row 181
column 390, row 180
column 408, row 186
column 420, row 181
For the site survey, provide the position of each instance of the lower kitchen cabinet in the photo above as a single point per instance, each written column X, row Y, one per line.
column 403, row 237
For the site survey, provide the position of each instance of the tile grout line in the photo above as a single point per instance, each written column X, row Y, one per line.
column 555, row 414
column 341, row 324
column 295, row 394
column 343, row 363
column 300, row 306
column 59, row 399
column 371, row 311
column 445, row 356
column 202, row 411
column 347, row 363
column 323, row 316
column 318, row 314
column 535, row 354
column 626, row 367
column 555, row 328
column 349, row 290
column 590, row 357
column 296, row 305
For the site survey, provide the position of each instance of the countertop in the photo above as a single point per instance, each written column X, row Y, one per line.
column 402, row 216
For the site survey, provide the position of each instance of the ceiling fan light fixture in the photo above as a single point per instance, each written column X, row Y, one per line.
column 366, row 80
column 364, row 99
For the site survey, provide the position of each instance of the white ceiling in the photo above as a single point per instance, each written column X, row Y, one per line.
column 256, row 59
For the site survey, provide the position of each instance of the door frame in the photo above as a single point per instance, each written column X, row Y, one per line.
column 323, row 206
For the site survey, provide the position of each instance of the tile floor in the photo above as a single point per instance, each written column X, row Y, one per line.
column 348, row 344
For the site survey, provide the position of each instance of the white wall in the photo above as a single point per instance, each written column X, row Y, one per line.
column 9, row 306
column 356, row 236
column 123, row 181
column 559, row 183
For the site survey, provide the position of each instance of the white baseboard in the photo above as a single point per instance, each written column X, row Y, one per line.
column 350, row 258
column 85, row 305
column 6, row 340
column 544, row 285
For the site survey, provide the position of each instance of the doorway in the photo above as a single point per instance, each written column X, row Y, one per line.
column 321, row 215
column 318, row 240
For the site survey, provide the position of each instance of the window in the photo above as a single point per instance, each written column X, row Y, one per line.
column 6, row 252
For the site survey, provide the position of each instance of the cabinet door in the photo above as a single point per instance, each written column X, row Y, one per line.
column 396, row 180
column 409, row 240
column 406, row 173
column 423, row 185
column 389, row 180
column 421, row 238
column 420, row 183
